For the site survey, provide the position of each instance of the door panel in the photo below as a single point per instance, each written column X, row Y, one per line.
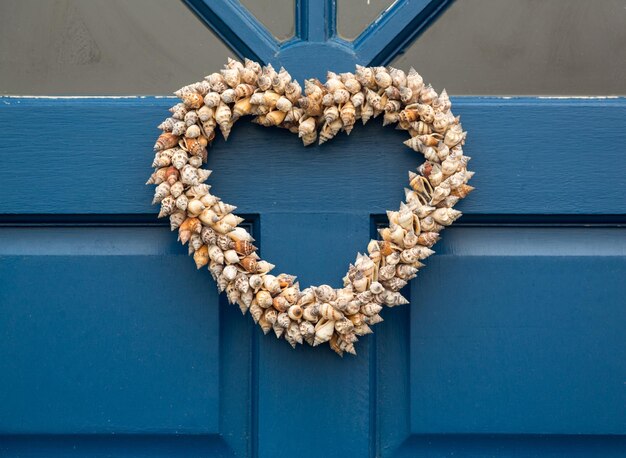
column 114, row 344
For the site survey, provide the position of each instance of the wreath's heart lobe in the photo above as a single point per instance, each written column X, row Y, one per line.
column 317, row 314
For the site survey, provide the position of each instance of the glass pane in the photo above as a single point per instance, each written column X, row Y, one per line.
column 278, row 16
column 353, row 16
column 524, row 47
column 103, row 47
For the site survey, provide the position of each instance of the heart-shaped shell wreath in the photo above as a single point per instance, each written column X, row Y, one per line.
column 316, row 314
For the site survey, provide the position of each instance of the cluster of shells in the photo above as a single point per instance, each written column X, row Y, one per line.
column 314, row 315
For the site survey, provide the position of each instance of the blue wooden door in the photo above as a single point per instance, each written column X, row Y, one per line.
column 112, row 344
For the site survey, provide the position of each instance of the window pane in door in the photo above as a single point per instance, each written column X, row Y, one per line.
column 103, row 47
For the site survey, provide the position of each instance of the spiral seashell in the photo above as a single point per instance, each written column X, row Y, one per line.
column 223, row 118
column 295, row 312
column 344, row 326
column 168, row 205
column 229, row 272
column 445, row 216
column 256, row 311
column 192, row 100
column 283, row 320
column 264, row 267
column 371, row 308
column 386, row 272
column 428, row 95
column 329, row 312
column 165, row 141
column 201, row 256
column 376, row 288
column 429, row 225
column 264, row 298
column 250, row 264
column 311, row 313
column 323, row 332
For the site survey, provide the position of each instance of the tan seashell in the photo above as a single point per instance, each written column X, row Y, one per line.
column 462, row 191
column 406, row 272
column 165, row 141
column 329, row 312
column 371, row 308
column 295, row 312
column 250, row 264
column 266, row 326
column 215, row 254
column 445, row 216
column 230, row 272
column 323, row 332
column 264, row 267
column 311, row 313
column 188, row 227
column 386, row 272
column 168, row 205
column 241, row 108
column 264, row 298
column 192, row 100
column 223, row 118
column 256, row 311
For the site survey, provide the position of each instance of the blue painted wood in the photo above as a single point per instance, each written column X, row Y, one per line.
column 316, row 47
column 92, row 156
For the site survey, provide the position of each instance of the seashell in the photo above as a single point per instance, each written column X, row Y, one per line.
column 241, row 108
column 165, row 141
column 371, row 308
column 281, row 304
column 406, row 271
column 306, row 127
column 255, row 282
column 283, row 320
column 231, row 76
column 376, row 288
column 454, row 136
column 195, row 207
column 212, row 99
column 201, row 256
column 325, row 293
column 383, row 79
column 462, row 191
column 308, row 331
column 293, row 335
column 256, row 311
column 429, row 225
column 272, row 284
column 215, row 254
column 284, row 104
column 250, row 264
column 263, row 266
column 274, row 118
column 348, row 116
column 176, row 219
column 428, row 239
column 330, row 130
column 367, row 112
column 393, row 299
column 231, row 257
column 386, row 272
column 223, row 118
column 192, row 100
column 311, row 313
column 278, row 330
column 230, row 272
column 264, row 298
column 331, row 114
column 188, row 227
column 323, row 332
column 410, row 238
column 344, row 326
column 271, row 315
column 266, row 326
column 428, row 95
column 293, row 91
column 182, row 201
column 445, row 216
column 161, row 192
column 295, row 312
column 290, row 293
column 329, row 312
column 168, row 205
column 228, row 96
column 362, row 330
